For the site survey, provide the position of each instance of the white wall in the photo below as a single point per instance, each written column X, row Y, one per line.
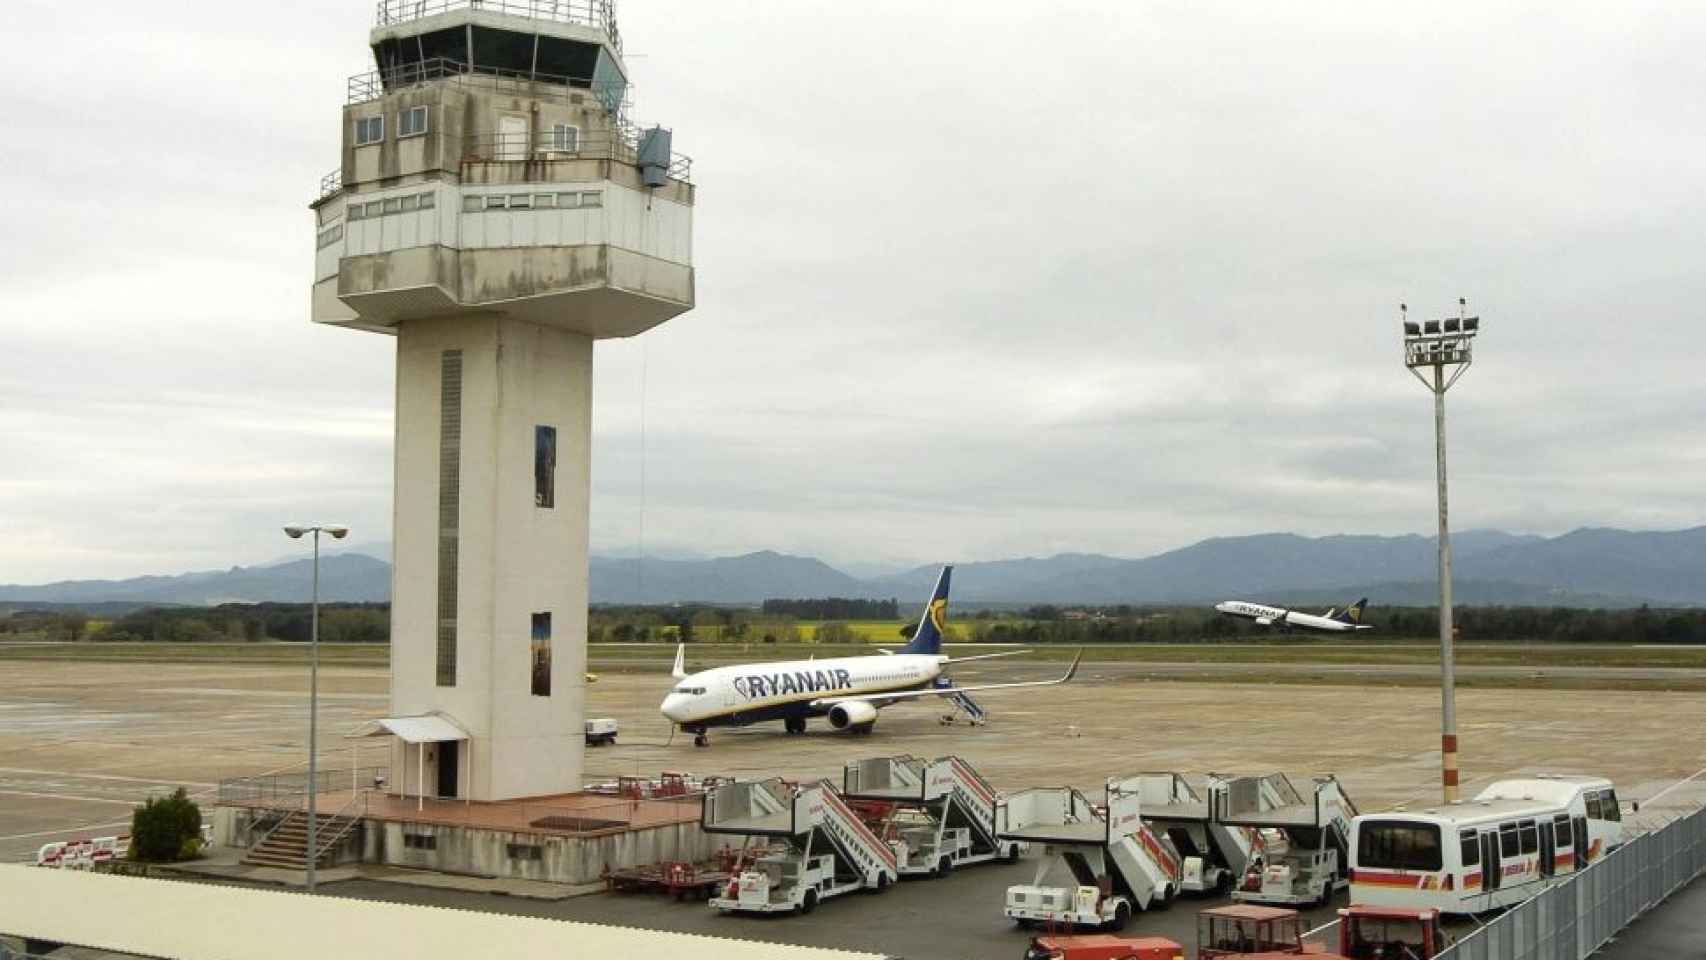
column 514, row 559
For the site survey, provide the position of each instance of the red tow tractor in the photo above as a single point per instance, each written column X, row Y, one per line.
column 1099, row 946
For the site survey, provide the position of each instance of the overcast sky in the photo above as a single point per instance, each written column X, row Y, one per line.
column 976, row 279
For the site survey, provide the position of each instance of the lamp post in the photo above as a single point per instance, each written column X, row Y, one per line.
column 338, row 532
column 1437, row 345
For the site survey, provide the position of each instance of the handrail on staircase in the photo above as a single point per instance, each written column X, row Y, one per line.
column 350, row 818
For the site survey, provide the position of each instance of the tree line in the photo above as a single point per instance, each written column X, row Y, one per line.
column 777, row 622
column 833, row 608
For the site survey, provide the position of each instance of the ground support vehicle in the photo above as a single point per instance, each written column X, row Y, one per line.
column 817, row 847
column 1511, row 841
column 1306, row 839
column 936, row 815
column 600, row 731
column 681, row 879
column 1117, row 865
column 1243, row 928
column 1390, row 933
column 1213, row 855
column 1101, row 946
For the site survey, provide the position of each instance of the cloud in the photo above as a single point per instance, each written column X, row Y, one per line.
column 975, row 280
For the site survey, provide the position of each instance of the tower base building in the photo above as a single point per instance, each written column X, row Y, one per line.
column 497, row 212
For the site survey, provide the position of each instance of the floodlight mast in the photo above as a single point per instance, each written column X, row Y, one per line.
column 1439, row 345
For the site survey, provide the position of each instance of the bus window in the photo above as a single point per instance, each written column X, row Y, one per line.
column 1509, row 845
column 1593, row 806
column 1471, row 843
column 1530, row 839
column 1608, row 806
column 1561, row 826
column 1398, row 845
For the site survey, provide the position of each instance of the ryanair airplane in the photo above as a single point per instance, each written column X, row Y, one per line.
column 847, row 690
column 1333, row 621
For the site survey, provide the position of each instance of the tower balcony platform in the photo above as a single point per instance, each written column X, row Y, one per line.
column 571, row 838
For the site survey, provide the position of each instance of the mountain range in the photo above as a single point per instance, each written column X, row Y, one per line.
column 1588, row 567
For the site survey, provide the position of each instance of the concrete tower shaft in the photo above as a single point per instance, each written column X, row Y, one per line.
column 496, row 210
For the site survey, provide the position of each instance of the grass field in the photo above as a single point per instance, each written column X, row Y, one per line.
column 1418, row 653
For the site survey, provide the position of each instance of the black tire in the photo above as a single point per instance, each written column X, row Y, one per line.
column 882, row 882
column 1223, row 883
column 1122, row 917
column 944, row 867
column 1023, row 923
column 700, row 740
column 1013, row 853
column 810, row 902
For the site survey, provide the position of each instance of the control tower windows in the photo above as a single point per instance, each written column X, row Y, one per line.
column 369, row 130
column 565, row 137
column 545, row 467
column 540, row 654
column 412, row 122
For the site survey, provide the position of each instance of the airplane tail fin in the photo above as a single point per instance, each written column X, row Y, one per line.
column 680, row 669
column 1352, row 613
column 928, row 637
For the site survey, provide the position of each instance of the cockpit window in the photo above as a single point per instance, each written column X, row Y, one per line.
column 691, row 691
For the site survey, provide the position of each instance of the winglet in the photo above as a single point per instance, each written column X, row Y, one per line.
column 680, row 661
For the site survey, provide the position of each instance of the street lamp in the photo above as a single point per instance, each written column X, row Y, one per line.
column 338, row 532
column 1439, row 344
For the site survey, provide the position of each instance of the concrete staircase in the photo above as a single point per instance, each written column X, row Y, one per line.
column 287, row 844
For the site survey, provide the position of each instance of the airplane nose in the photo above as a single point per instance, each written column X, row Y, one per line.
column 674, row 707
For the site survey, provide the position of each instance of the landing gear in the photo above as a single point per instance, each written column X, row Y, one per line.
column 794, row 725
column 701, row 740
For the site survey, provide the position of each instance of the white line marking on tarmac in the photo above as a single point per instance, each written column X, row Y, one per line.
column 104, row 776
column 67, row 796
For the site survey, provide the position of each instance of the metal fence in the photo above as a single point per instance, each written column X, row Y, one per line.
column 284, row 788
column 1572, row 919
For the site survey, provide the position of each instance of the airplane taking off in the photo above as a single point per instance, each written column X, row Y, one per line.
column 847, row 690
column 1333, row 621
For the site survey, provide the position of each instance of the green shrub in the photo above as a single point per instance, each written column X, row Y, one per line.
column 165, row 829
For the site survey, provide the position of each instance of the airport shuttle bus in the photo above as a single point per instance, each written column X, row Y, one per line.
column 1495, row 850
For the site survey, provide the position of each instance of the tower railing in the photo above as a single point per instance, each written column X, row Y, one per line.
column 621, row 144
column 363, row 87
column 589, row 13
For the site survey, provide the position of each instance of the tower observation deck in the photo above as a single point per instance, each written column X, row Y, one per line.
column 496, row 209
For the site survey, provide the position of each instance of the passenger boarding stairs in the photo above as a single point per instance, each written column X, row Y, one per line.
column 798, row 815
column 946, row 789
column 1111, row 847
column 974, row 712
column 1309, row 824
column 1214, row 852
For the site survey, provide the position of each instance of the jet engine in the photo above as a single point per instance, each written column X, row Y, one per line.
column 852, row 714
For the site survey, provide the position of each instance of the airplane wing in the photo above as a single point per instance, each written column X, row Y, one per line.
column 950, row 691
column 680, row 669
column 984, row 656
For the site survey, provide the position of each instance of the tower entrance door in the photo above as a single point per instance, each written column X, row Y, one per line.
column 447, row 764
column 512, row 138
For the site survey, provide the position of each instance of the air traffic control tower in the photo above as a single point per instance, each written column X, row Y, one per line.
column 496, row 211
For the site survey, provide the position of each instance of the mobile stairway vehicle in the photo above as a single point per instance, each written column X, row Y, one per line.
column 1306, row 839
column 1214, row 855
column 936, row 814
column 817, row 848
column 1117, row 864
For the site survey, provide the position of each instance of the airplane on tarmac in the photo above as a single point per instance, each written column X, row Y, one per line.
column 847, row 690
column 1333, row 621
